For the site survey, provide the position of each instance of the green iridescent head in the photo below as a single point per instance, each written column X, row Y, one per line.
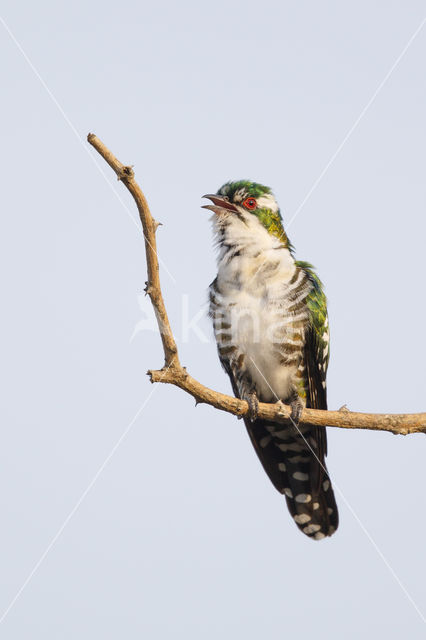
column 243, row 198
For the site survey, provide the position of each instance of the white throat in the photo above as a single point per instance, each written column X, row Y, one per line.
column 249, row 256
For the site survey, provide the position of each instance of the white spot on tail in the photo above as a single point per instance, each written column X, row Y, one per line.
column 312, row 528
column 296, row 459
column 290, row 447
column 298, row 475
column 302, row 518
column 303, row 497
column 281, row 434
column 319, row 536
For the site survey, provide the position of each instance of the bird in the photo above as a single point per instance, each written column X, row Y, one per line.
column 270, row 321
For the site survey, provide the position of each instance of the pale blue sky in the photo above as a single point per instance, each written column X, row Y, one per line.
column 182, row 535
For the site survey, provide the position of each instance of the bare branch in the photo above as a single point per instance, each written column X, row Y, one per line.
column 149, row 226
column 174, row 373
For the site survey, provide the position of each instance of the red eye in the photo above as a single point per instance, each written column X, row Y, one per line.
column 250, row 203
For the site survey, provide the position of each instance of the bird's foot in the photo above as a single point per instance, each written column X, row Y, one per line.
column 253, row 404
column 296, row 410
column 281, row 406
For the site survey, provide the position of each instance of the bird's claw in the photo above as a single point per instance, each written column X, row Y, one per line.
column 281, row 406
column 253, row 404
column 296, row 411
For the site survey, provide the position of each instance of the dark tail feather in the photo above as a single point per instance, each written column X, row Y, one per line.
column 312, row 505
column 294, row 462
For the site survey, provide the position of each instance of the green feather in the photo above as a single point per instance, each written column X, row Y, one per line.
column 317, row 305
column 253, row 189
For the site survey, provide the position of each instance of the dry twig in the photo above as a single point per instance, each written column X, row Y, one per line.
column 174, row 373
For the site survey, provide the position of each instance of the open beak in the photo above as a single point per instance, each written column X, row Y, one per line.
column 220, row 204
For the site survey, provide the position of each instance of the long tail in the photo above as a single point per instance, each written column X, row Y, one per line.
column 294, row 461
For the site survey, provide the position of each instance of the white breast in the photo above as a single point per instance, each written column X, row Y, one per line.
column 254, row 301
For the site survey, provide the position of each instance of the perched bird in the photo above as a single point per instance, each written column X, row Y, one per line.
column 270, row 321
